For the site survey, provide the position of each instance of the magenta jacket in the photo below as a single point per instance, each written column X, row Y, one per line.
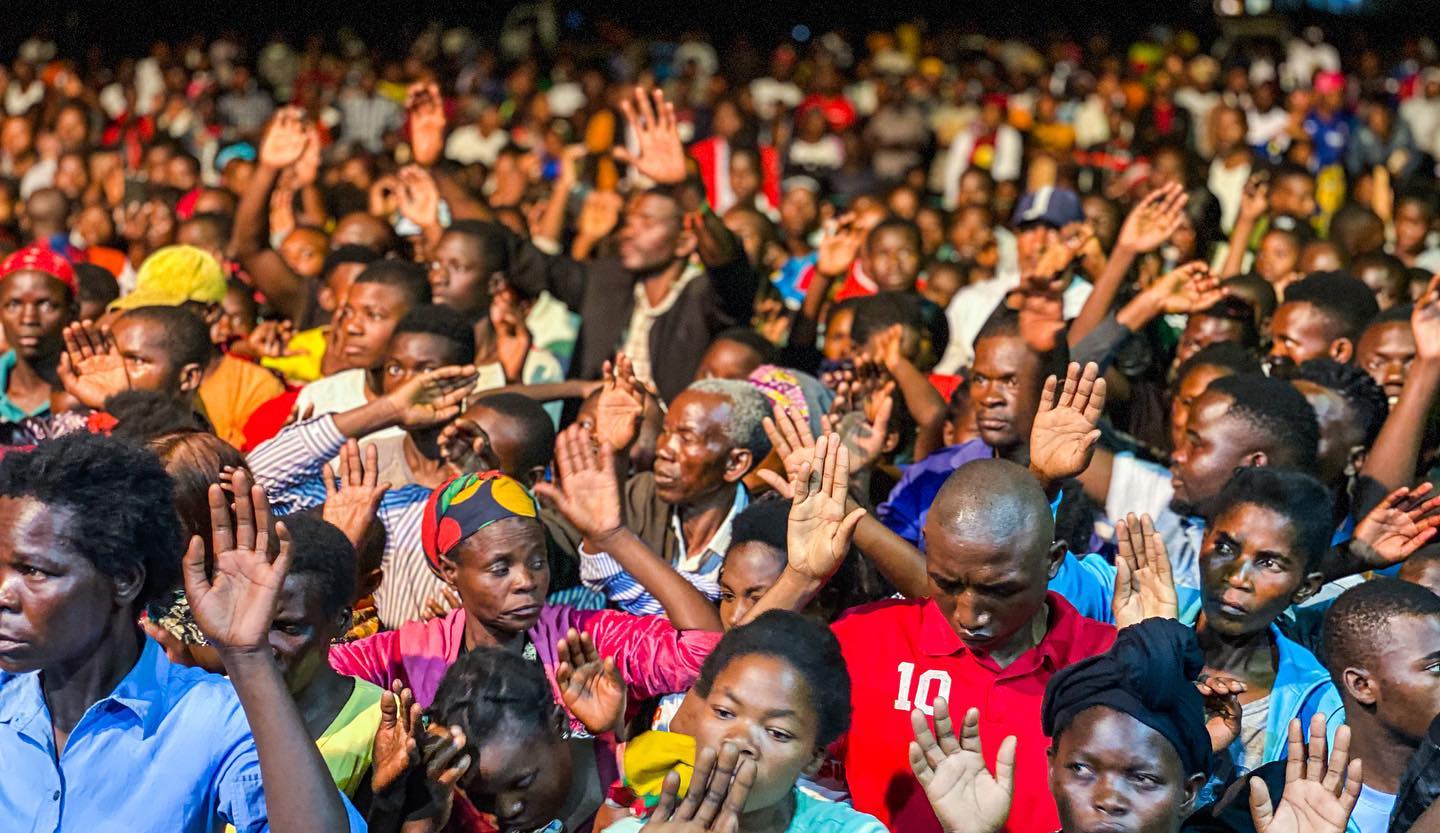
column 653, row 657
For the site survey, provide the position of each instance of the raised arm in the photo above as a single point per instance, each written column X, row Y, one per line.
column 1253, row 202
column 1394, row 456
column 284, row 143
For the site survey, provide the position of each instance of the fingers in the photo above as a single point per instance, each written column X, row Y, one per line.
column 222, row 527
column 745, row 773
column 780, row 484
column 192, row 566
column 705, row 761
column 1261, row 810
column 1048, row 400
column 827, row 461
column 1315, row 749
column 1072, row 383
column 669, row 788
column 1005, row 763
column 925, row 740
column 1339, row 759
column 944, row 727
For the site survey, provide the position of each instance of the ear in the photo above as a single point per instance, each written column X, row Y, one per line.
column 947, row 433
column 685, row 243
column 326, row 298
column 535, row 475
column 1342, row 350
column 449, row 572
column 1254, row 458
column 1308, row 587
column 189, row 378
column 212, row 314
column 368, row 583
column 814, row 765
column 1192, row 791
column 128, row 585
column 738, row 463
column 1056, row 556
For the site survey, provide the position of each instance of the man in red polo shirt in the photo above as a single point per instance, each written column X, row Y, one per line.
column 990, row 636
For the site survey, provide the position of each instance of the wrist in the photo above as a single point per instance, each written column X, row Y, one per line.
column 598, row 540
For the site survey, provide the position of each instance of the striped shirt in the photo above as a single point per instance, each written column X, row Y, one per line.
column 603, row 574
column 290, row 466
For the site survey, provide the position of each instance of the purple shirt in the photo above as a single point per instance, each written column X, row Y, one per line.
column 904, row 513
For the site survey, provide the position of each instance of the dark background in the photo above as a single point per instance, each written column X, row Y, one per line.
column 128, row 28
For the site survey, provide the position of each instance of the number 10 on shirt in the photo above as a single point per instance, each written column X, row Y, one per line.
column 924, row 691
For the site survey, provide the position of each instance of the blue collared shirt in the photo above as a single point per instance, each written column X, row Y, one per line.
column 169, row 751
column 905, row 512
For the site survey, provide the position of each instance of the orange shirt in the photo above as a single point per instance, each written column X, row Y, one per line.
column 232, row 391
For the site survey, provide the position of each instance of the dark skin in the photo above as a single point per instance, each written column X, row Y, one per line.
column 893, row 259
column 1110, row 771
column 59, row 614
column 456, row 278
column 727, row 359
column 148, row 364
column 1391, row 696
column 1214, row 445
column 696, row 469
column 1005, row 386
column 522, row 776
column 1386, row 351
column 1301, row 332
column 1187, row 391
column 1342, row 438
column 750, row 569
column 654, row 243
column 988, row 569
column 1201, row 331
column 502, row 576
column 34, row 309
column 409, row 355
column 365, row 322
column 1251, row 570
column 300, row 636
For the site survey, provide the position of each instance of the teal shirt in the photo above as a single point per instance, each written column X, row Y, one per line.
column 812, row 815
column 9, row 411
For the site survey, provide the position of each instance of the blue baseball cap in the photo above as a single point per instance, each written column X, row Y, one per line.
column 1049, row 206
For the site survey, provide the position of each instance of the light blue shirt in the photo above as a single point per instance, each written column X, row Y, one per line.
column 169, row 751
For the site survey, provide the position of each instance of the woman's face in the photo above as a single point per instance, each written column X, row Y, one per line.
column 763, row 706
column 1109, row 771
column 750, row 569
column 1251, row 570
column 838, row 343
column 501, row 574
column 520, row 777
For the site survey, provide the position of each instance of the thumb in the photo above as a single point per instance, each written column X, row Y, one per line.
column 1261, row 811
column 776, row 482
column 549, row 494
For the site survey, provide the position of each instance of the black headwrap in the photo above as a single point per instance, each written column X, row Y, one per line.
column 1149, row 674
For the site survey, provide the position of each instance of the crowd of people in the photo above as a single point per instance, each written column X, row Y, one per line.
column 922, row 433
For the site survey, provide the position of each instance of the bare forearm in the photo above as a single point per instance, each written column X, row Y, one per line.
column 1239, row 244
column 462, row 205
column 1107, row 287
column 376, row 415
column 299, row 793
column 902, row 564
column 925, row 404
column 792, row 591
column 1392, row 460
column 312, row 207
column 250, row 214
column 686, row 606
column 549, row 391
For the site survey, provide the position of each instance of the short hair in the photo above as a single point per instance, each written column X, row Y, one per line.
column 120, row 499
column 1294, row 494
column 323, row 553
column 194, row 460
column 1357, row 623
column 763, row 522
column 747, row 337
column 535, row 424
column 348, row 253
column 1351, row 224
column 141, row 415
column 408, row 279
column 1396, row 281
column 1359, row 389
column 187, row 339
column 748, row 410
column 1225, row 354
column 1343, row 299
column 1284, row 424
column 1398, row 314
column 1239, row 311
column 893, row 222
column 808, row 647
column 442, row 322
column 218, row 227
column 495, row 242
column 1263, row 290
column 1005, row 323
column 1423, row 198
column 488, row 690
column 95, row 284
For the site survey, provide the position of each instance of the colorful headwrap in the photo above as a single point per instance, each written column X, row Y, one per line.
column 464, row 505
column 38, row 259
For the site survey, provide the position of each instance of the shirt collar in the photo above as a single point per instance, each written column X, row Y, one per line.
column 142, row 691
column 1062, row 629
column 719, row 542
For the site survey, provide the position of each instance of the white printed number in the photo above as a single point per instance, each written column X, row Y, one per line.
column 923, row 693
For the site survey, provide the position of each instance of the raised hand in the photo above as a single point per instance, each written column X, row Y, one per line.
column 589, row 491
column 433, row 397
column 512, row 337
column 1317, row 798
column 440, row 605
column 285, row 139
column 1144, row 585
column 269, row 340
column 1254, row 200
column 426, row 114
column 1189, row 288
column 419, row 197
column 1222, row 710
column 793, row 442
column 396, row 748
column 91, row 368
column 599, row 214
column 965, row 796
column 307, row 167
column 659, row 154
column 718, row 789
column 1425, row 322
column 1153, row 219
column 466, row 449
column 863, row 430
column 236, row 605
column 819, row 530
column 621, row 405
column 590, row 687
column 1401, row 524
column 840, row 245
column 1063, row 438
column 352, row 504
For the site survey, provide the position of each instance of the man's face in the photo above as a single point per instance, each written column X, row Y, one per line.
column 988, row 586
column 1277, row 257
column 693, row 456
column 1229, row 132
column 975, row 189
column 237, row 317
column 71, row 130
column 744, row 177
column 507, row 440
column 1411, row 227
column 1201, row 331
column 894, row 259
column 1341, row 434
column 838, row 343
column 1251, row 570
column 143, row 346
column 55, row 605
column 1386, row 352
column 1213, row 446
column 1299, row 332
column 34, row 309
column 456, row 277
column 1293, row 196
column 304, row 252
column 799, row 211
column 411, row 354
column 1005, row 386
column 650, row 234
column 1407, row 676
column 1110, row 772
column 1187, row 390
column 366, row 320
column 301, row 633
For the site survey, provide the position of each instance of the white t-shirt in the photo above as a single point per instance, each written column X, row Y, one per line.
column 1372, row 811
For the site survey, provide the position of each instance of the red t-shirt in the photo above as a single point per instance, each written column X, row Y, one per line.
column 903, row 654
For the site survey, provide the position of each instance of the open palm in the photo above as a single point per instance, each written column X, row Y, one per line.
column 589, row 492
column 1063, row 437
column 659, row 154
column 1144, row 585
column 1318, row 797
column 965, row 796
column 1402, row 523
column 91, row 368
column 819, row 531
column 621, row 404
column 590, row 687
column 433, row 397
column 1154, row 219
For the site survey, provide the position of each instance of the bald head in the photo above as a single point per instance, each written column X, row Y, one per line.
column 47, row 210
column 993, row 500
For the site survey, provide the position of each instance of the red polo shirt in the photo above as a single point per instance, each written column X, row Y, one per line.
column 903, row 654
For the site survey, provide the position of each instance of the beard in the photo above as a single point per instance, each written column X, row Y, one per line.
column 1184, row 508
